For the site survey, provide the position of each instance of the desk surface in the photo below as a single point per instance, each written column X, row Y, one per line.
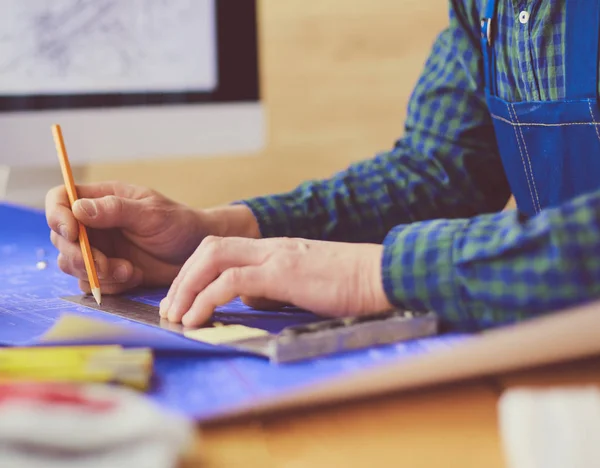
column 449, row 426
column 204, row 381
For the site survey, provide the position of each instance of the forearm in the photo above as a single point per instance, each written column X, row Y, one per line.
column 495, row 269
column 445, row 165
column 363, row 202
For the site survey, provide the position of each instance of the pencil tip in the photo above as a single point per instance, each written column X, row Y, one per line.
column 97, row 295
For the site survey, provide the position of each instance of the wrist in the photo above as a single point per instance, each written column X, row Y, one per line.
column 378, row 298
column 230, row 221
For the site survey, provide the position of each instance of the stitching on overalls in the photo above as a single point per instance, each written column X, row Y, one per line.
column 522, row 157
column 538, row 124
column 528, row 161
column 594, row 120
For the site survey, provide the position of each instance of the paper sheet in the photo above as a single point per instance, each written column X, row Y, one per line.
column 71, row 328
column 224, row 334
column 76, row 328
column 4, row 175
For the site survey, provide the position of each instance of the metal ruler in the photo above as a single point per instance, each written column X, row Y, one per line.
column 293, row 343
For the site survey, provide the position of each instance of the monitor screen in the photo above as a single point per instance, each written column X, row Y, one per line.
column 128, row 79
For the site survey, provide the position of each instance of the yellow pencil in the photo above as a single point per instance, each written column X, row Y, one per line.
column 84, row 242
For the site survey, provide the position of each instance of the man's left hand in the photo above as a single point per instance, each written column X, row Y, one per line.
column 332, row 279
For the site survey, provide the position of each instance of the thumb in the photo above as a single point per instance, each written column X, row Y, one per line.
column 107, row 212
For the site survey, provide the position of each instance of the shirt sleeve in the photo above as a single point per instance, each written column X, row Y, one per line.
column 446, row 164
column 498, row 268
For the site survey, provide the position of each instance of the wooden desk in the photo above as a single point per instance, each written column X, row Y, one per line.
column 449, row 426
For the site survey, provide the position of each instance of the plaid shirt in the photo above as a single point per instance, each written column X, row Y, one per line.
column 435, row 199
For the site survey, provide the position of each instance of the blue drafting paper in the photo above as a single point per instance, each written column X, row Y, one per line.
column 197, row 379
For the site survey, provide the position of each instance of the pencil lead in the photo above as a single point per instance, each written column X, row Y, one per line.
column 97, row 295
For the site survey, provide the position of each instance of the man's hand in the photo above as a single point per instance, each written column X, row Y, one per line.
column 327, row 278
column 138, row 236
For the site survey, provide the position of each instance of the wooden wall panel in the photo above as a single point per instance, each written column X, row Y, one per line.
column 336, row 77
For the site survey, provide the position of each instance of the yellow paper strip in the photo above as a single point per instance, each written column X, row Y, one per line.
column 224, row 334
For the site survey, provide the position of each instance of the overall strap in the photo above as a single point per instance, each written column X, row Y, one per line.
column 489, row 57
column 581, row 48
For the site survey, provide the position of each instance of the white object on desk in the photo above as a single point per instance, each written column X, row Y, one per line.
column 88, row 426
column 28, row 185
column 4, row 173
column 551, row 428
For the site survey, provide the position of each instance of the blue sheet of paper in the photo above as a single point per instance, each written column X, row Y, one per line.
column 197, row 379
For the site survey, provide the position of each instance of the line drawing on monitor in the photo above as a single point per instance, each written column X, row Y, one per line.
column 108, row 46
column 128, row 80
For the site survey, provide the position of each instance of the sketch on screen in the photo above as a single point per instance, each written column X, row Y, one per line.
column 102, row 46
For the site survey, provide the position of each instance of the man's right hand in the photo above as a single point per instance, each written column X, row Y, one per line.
column 138, row 236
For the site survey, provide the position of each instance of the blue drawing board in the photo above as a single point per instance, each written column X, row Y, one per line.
column 197, row 379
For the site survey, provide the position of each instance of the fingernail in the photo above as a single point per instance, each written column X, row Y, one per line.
column 163, row 308
column 187, row 320
column 120, row 273
column 62, row 230
column 172, row 312
column 89, row 206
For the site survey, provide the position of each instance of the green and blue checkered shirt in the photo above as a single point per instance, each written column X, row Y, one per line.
column 435, row 199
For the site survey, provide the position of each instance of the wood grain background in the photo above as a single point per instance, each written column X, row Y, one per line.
column 336, row 78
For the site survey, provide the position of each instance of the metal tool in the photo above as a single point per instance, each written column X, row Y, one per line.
column 296, row 342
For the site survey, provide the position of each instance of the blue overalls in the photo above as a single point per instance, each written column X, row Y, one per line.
column 551, row 149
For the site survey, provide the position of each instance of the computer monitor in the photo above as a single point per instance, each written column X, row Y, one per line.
column 128, row 80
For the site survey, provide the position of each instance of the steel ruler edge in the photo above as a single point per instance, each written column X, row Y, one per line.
column 294, row 343
column 147, row 314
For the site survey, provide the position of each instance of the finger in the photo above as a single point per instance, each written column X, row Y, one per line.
column 208, row 247
column 60, row 217
column 72, row 256
column 172, row 292
column 72, row 252
column 165, row 303
column 212, row 248
column 222, row 252
column 135, row 280
column 111, row 211
column 111, row 270
column 209, row 261
column 248, row 281
column 101, row 189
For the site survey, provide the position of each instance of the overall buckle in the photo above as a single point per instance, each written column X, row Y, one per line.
column 486, row 30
